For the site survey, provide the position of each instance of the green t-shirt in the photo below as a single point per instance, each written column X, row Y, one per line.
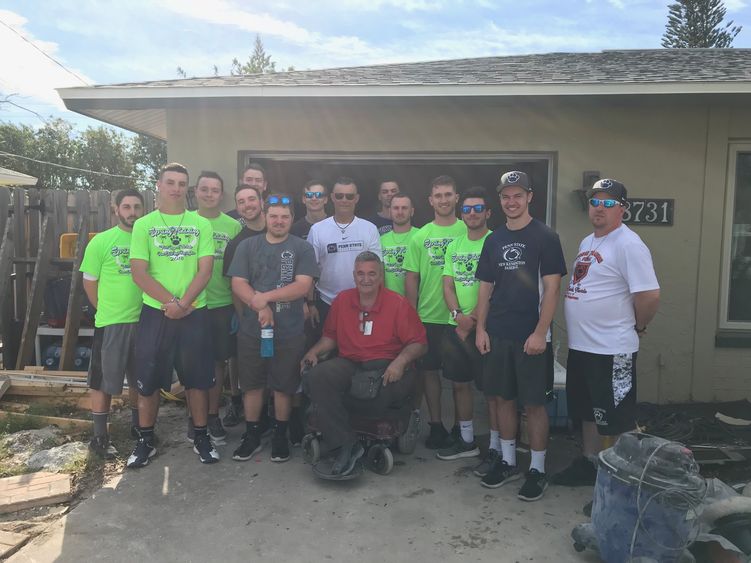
column 425, row 255
column 219, row 290
column 461, row 264
column 172, row 245
column 107, row 258
column 394, row 247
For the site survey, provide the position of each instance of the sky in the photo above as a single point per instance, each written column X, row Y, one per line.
column 48, row 44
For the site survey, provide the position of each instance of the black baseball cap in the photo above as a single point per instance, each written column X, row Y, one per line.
column 611, row 187
column 514, row 178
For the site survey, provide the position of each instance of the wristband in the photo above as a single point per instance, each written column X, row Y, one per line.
column 177, row 302
column 641, row 330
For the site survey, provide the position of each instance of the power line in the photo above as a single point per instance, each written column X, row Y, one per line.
column 46, row 54
column 3, row 153
column 19, row 106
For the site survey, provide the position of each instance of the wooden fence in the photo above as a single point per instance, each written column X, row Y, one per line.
column 32, row 221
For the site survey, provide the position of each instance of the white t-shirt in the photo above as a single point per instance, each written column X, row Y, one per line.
column 599, row 302
column 336, row 250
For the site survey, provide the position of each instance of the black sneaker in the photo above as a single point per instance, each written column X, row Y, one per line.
column 347, row 458
column 483, row 468
column 296, row 427
column 279, row 447
column 500, row 474
column 205, row 449
column 534, row 486
column 101, row 447
column 217, row 433
column 581, row 473
column 458, row 450
column 452, row 439
column 437, row 437
column 249, row 447
column 141, row 454
column 233, row 415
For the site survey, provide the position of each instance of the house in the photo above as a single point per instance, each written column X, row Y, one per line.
column 673, row 125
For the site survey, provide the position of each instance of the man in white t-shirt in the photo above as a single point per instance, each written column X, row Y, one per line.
column 612, row 296
column 337, row 241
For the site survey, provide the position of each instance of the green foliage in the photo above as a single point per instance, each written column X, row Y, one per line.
column 127, row 160
column 696, row 24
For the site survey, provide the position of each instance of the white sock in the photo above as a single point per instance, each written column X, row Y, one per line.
column 468, row 430
column 508, row 451
column 495, row 440
column 538, row 460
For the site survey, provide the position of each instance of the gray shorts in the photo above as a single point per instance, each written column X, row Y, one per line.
column 112, row 358
column 280, row 373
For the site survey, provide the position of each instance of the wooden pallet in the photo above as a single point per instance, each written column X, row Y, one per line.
column 34, row 489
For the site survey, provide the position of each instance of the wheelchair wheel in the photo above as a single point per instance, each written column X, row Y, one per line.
column 311, row 449
column 380, row 459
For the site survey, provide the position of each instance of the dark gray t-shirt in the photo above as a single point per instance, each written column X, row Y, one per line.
column 269, row 266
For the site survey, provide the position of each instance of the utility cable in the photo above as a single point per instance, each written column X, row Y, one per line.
column 10, row 154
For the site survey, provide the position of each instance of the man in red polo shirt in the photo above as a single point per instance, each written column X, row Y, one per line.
column 373, row 328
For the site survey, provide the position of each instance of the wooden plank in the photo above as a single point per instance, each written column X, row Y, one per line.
column 149, row 201
column 73, row 318
column 10, row 542
column 6, row 204
column 60, row 214
column 62, row 422
column 103, row 210
column 45, row 372
column 4, row 385
column 34, row 489
column 19, row 240
column 33, row 220
column 6, row 268
column 36, row 301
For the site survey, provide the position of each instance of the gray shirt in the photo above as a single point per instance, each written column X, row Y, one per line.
column 269, row 266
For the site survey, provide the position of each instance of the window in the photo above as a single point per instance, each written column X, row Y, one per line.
column 736, row 284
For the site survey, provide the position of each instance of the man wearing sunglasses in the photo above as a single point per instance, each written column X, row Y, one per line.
column 271, row 275
column 612, row 296
column 520, row 271
column 314, row 198
column 387, row 189
column 462, row 362
column 337, row 241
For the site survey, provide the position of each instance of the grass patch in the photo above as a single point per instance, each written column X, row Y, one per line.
column 17, row 422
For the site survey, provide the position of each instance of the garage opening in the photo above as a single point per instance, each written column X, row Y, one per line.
column 289, row 172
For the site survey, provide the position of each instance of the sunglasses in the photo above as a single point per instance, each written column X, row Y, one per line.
column 276, row 200
column 349, row 197
column 316, row 195
column 606, row 203
column 479, row 208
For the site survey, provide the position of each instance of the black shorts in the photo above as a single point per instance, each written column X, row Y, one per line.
column 164, row 345
column 462, row 361
column 280, row 373
column 224, row 343
column 433, row 359
column 509, row 373
column 602, row 389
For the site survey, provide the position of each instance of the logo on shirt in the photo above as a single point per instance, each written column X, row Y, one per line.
column 175, row 243
column 286, row 275
column 513, row 256
column 220, row 245
column 393, row 260
column 353, row 246
column 581, row 268
column 464, row 266
column 121, row 256
column 436, row 248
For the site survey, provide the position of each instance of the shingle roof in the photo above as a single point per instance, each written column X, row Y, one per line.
column 615, row 67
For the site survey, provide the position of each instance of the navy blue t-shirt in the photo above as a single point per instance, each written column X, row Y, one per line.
column 515, row 262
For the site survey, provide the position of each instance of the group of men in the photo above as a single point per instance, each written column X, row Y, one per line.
column 450, row 298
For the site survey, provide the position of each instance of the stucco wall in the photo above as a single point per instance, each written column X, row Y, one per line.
column 660, row 148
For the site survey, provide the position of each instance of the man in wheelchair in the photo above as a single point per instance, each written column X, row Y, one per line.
column 376, row 332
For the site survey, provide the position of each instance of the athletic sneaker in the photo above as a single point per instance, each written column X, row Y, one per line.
column 437, row 437
column 296, row 427
column 102, row 447
column 205, row 449
column 233, row 415
column 458, row 450
column 217, row 433
column 534, row 486
column 279, row 447
column 347, row 458
column 483, row 468
column 141, row 454
column 581, row 473
column 500, row 474
column 250, row 446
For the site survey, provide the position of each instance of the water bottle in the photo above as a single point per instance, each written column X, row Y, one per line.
column 267, row 341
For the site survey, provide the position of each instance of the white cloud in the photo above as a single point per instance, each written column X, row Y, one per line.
column 406, row 5
column 27, row 72
column 735, row 5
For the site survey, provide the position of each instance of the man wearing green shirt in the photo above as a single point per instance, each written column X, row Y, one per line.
column 117, row 299
column 209, row 192
column 394, row 243
column 171, row 257
column 462, row 361
column 424, row 289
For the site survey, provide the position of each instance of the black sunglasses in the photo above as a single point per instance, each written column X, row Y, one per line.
column 276, row 200
column 349, row 197
column 478, row 208
column 316, row 195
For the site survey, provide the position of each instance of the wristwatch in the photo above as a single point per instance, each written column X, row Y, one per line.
column 455, row 313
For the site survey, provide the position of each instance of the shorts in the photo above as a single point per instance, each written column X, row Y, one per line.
column 164, row 345
column 280, row 373
column 462, row 361
column 112, row 358
column 224, row 343
column 511, row 374
column 601, row 388
column 432, row 360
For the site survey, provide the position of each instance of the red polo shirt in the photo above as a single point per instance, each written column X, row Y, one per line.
column 394, row 325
